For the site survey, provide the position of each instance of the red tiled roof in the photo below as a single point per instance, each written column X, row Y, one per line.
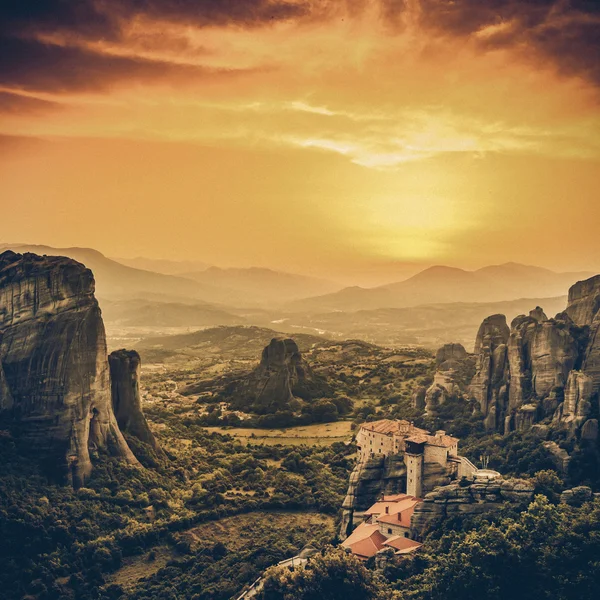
column 445, row 441
column 401, row 544
column 389, row 426
column 393, row 507
column 365, row 541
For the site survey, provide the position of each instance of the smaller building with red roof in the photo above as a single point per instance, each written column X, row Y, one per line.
column 386, row 523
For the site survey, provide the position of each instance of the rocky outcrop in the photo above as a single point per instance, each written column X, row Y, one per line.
column 56, row 395
column 280, row 382
column 576, row 408
column 418, row 397
column 522, row 372
column 454, row 369
column 584, row 309
column 489, row 386
column 368, row 481
column 377, row 476
column 457, row 500
column 541, row 355
column 584, row 301
column 578, row 496
column 559, row 456
column 125, row 368
column 448, row 352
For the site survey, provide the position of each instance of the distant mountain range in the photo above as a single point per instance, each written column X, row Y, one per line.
column 441, row 284
column 117, row 281
column 261, row 286
column 160, row 265
column 252, row 287
column 438, row 304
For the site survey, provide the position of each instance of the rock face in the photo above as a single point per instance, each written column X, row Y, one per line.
column 489, row 386
column 584, row 309
column 418, row 397
column 55, row 385
column 125, row 385
column 455, row 500
column 367, row 482
column 281, row 369
column 524, row 373
column 377, row 476
column 454, row 369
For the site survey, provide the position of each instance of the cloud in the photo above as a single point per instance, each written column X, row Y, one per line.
column 567, row 33
column 19, row 103
column 61, row 46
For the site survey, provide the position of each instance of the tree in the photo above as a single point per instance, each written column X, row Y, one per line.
column 335, row 575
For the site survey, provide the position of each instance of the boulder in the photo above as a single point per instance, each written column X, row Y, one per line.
column 577, row 496
column 55, row 386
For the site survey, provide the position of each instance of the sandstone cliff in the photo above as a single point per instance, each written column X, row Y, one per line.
column 377, row 476
column 454, row 369
column 54, row 382
column 584, row 309
column 489, row 386
column 455, row 500
column 542, row 368
column 280, row 382
column 125, row 385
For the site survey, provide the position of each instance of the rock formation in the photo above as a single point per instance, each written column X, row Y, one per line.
column 54, row 381
column 418, row 397
column 456, row 500
column 281, row 372
column 584, row 309
column 454, row 369
column 523, row 374
column 125, row 385
column 377, row 476
column 489, row 386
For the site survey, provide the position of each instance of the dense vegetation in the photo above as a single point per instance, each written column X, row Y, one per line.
column 547, row 551
column 61, row 543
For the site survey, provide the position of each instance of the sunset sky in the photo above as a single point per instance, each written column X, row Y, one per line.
column 357, row 140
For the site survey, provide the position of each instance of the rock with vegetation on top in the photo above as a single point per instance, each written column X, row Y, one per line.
column 456, row 500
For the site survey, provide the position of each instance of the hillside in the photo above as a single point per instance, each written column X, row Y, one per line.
column 117, row 281
column 431, row 325
column 238, row 342
column 442, row 284
column 261, row 286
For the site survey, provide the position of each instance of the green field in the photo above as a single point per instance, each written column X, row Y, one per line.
column 321, row 434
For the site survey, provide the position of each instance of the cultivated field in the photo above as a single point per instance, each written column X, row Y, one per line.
column 319, row 434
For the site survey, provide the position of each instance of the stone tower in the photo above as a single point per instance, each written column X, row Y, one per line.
column 413, row 457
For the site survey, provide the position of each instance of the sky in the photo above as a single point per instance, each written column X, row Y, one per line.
column 360, row 140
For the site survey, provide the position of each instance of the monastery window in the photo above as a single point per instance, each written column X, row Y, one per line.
column 389, row 530
column 406, row 534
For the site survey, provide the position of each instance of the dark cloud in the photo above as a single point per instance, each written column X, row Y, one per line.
column 18, row 103
column 29, row 62
column 566, row 33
